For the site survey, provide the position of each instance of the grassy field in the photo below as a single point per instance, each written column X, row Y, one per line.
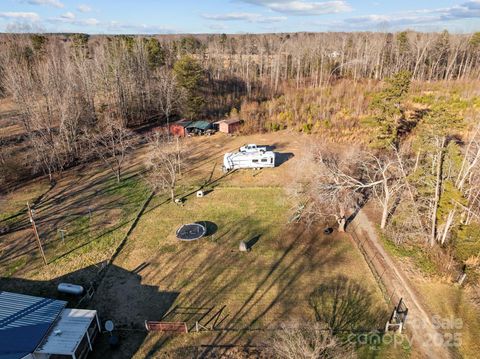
column 92, row 209
column 270, row 285
column 454, row 303
column 157, row 277
column 14, row 203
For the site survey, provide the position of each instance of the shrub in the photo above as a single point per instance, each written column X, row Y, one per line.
column 467, row 242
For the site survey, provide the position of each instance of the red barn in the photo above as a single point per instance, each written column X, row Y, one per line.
column 179, row 128
column 229, row 125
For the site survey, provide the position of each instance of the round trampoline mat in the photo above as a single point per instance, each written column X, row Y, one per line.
column 191, row 232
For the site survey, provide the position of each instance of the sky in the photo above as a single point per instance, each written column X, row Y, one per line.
column 237, row 16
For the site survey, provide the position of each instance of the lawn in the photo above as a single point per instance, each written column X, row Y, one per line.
column 453, row 303
column 157, row 277
column 259, row 290
column 94, row 211
column 15, row 203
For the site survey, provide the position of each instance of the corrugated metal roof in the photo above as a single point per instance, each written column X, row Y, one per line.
column 68, row 331
column 202, row 125
column 24, row 321
column 229, row 121
column 183, row 122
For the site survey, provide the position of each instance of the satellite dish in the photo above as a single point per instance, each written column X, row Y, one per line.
column 109, row 326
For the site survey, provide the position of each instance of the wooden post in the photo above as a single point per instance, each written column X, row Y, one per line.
column 35, row 232
column 62, row 235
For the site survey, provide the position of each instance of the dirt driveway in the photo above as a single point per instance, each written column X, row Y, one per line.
column 419, row 326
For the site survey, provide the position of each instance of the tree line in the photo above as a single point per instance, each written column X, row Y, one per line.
column 74, row 89
column 75, row 102
column 421, row 168
column 314, row 59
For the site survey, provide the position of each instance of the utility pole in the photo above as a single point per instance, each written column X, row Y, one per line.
column 35, row 232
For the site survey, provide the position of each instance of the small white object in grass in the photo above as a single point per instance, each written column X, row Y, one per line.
column 243, row 247
column 200, row 194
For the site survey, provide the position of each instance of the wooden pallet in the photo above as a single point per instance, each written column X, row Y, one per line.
column 170, row 327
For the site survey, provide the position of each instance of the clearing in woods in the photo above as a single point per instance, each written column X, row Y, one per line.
column 156, row 277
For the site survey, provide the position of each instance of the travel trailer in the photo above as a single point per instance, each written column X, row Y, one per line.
column 255, row 160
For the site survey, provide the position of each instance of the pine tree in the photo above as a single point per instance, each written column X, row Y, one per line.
column 436, row 132
column 388, row 109
column 190, row 77
column 155, row 53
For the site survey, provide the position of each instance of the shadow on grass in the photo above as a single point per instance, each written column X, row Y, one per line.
column 345, row 305
column 251, row 242
column 281, row 158
column 72, row 208
column 274, row 289
column 212, row 228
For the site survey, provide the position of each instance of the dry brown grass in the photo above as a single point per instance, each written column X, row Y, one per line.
column 260, row 289
column 9, row 126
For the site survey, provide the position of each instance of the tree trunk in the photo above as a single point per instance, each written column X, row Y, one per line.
column 342, row 220
column 438, row 188
column 447, row 226
column 383, row 223
column 385, row 203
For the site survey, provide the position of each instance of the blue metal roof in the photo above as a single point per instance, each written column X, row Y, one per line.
column 201, row 125
column 24, row 321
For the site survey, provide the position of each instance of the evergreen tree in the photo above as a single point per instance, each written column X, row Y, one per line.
column 388, row 110
column 155, row 53
column 436, row 132
column 190, row 77
column 403, row 44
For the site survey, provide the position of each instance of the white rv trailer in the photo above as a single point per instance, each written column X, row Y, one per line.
column 238, row 160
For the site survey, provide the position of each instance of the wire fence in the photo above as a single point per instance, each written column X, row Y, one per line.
column 382, row 272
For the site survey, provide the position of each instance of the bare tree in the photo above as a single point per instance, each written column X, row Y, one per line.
column 165, row 163
column 384, row 173
column 340, row 184
column 335, row 184
column 170, row 95
column 312, row 341
column 111, row 142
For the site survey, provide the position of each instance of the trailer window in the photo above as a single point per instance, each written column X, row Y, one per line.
column 255, row 161
column 264, row 160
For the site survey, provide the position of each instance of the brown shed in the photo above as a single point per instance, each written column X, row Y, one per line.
column 179, row 128
column 229, row 125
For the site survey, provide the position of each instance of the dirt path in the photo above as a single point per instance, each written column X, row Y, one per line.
column 419, row 325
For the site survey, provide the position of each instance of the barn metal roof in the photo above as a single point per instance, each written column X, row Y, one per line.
column 24, row 321
column 229, row 121
column 183, row 122
column 67, row 333
column 202, row 125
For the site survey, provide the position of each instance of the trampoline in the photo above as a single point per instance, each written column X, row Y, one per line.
column 191, row 232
